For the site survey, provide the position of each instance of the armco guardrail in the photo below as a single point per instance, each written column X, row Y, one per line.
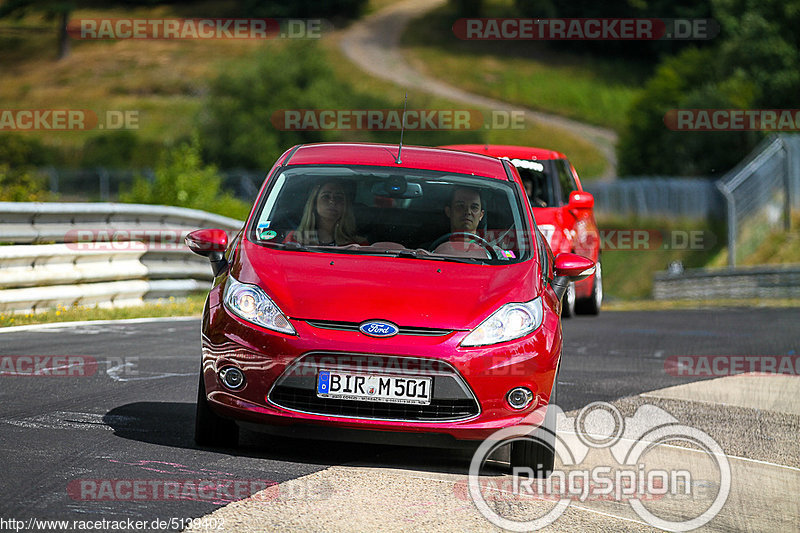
column 708, row 284
column 99, row 253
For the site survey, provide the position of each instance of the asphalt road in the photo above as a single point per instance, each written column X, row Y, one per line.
column 133, row 418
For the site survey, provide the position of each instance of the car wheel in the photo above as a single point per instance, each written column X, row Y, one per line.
column 568, row 304
column 591, row 305
column 538, row 453
column 211, row 429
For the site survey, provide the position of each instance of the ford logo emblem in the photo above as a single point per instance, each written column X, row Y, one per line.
column 378, row 328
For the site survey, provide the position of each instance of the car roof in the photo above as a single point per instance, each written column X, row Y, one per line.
column 412, row 157
column 504, row 150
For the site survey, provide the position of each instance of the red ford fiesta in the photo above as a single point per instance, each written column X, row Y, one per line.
column 378, row 294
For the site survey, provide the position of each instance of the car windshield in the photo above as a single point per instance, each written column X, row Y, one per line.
column 416, row 214
column 541, row 193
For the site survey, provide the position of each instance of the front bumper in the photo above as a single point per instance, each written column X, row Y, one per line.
column 469, row 399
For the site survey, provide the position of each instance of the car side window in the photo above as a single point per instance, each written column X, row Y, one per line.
column 565, row 180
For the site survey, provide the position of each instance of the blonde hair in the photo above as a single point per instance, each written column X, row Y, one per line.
column 345, row 232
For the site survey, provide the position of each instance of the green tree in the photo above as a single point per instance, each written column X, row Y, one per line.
column 52, row 9
column 754, row 65
column 236, row 129
column 183, row 180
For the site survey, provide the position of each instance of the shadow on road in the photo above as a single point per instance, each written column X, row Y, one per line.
column 172, row 424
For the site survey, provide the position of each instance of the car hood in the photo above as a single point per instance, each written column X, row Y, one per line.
column 409, row 292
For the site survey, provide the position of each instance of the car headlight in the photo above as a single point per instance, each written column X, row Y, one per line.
column 510, row 322
column 250, row 303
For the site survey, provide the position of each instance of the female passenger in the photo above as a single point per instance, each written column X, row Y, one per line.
column 327, row 218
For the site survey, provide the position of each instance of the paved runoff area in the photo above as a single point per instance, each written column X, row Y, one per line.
column 764, row 474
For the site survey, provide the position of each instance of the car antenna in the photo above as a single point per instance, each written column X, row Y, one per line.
column 402, row 128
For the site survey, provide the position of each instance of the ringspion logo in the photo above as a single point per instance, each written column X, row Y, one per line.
column 605, row 456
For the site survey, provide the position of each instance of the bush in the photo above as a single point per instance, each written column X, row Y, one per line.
column 119, row 149
column 18, row 180
column 181, row 179
column 21, row 185
column 18, row 150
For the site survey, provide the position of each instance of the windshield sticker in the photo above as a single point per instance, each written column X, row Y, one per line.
column 508, row 254
column 264, row 225
column 266, row 235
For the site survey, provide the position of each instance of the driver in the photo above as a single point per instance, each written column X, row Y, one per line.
column 465, row 210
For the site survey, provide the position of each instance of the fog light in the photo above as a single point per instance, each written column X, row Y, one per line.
column 519, row 398
column 232, row 377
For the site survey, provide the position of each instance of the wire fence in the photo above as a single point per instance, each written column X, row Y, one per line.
column 765, row 186
column 662, row 197
column 106, row 184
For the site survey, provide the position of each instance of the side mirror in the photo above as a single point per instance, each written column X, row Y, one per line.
column 569, row 268
column 580, row 200
column 210, row 243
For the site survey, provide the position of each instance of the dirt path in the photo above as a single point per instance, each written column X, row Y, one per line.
column 373, row 43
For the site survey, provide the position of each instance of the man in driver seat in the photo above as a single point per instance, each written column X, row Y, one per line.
column 465, row 212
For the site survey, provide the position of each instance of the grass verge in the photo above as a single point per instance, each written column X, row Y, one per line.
column 761, row 243
column 191, row 305
column 629, row 266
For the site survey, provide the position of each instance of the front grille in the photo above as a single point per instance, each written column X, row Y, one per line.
column 438, row 410
column 402, row 330
column 451, row 400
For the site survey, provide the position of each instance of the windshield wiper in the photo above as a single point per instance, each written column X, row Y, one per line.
column 297, row 247
column 414, row 254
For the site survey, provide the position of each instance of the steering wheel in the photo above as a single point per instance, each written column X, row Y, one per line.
column 476, row 239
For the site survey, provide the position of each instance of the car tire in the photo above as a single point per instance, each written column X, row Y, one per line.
column 538, row 454
column 210, row 429
column 568, row 303
column 592, row 304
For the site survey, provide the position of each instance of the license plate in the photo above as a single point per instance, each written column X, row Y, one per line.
column 374, row 388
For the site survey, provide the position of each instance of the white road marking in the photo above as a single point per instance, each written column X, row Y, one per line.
column 68, row 325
